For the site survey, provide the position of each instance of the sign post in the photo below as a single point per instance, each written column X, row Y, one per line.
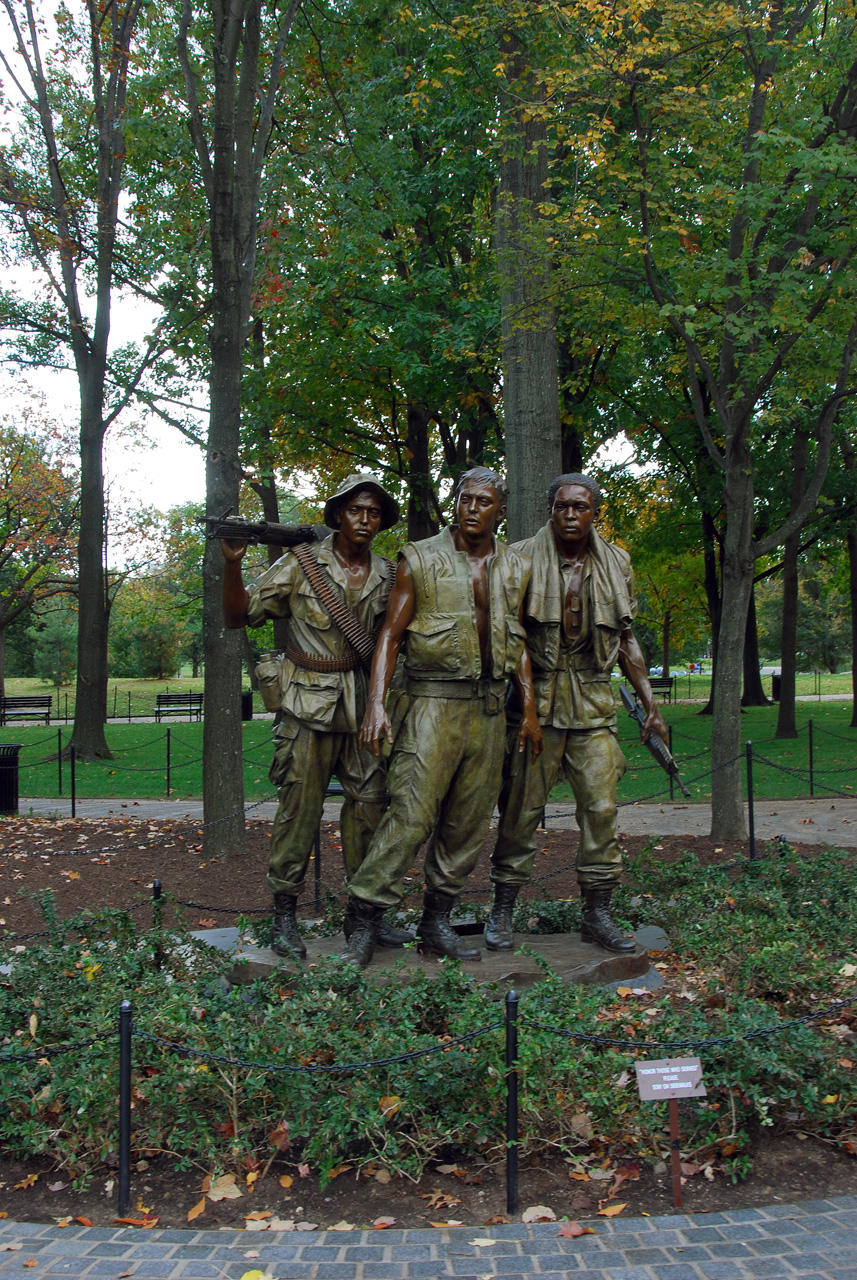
column 671, row 1078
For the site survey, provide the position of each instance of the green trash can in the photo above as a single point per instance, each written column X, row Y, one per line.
column 9, row 777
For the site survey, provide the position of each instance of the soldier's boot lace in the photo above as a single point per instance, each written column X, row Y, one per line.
column 598, row 925
column 498, row 926
column 360, row 926
column 436, row 935
column 285, row 937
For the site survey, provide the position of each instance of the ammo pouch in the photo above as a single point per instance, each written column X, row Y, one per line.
column 269, row 673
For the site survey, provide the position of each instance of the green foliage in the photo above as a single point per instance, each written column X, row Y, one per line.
column 54, row 641
column 146, row 635
column 732, row 930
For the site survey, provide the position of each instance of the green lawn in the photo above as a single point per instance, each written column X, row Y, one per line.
column 139, row 768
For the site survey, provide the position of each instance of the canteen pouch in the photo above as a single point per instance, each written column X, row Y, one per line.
column 269, row 673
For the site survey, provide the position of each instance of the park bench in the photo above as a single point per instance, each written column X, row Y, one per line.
column 178, row 704
column 663, row 685
column 17, row 706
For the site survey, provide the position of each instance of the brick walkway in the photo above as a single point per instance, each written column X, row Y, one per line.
column 816, row 1240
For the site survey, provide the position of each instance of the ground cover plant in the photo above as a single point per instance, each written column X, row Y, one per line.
column 754, row 948
column 138, row 770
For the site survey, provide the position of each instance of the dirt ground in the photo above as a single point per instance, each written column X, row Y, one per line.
column 114, row 862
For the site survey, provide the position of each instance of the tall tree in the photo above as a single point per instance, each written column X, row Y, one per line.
column 61, row 180
column 231, row 58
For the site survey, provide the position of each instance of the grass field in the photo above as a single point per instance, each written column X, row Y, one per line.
column 139, row 769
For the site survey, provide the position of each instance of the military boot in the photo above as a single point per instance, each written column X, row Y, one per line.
column 498, row 926
column 598, row 925
column 388, row 935
column 285, row 938
column 436, row 935
column 360, row 926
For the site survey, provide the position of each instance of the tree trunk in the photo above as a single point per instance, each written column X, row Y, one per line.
column 90, row 709
column 848, row 453
column 727, row 808
column 2, row 661
column 713, row 596
column 786, row 721
column 421, row 522
column 665, row 644
column 530, row 367
column 753, row 694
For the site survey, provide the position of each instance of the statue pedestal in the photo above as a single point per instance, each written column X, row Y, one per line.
column 572, row 960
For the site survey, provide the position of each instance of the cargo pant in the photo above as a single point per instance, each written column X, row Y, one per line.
column 305, row 761
column 443, row 780
column 591, row 762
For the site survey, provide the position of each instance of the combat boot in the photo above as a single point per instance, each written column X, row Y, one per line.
column 360, row 926
column 436, row 935
column 598, row 925
column 388, row 936
column 285, row 938
column 498, row 926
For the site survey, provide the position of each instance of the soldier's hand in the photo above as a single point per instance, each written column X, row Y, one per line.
column 376, row 725
column 233, row 551
column 530, row 731
column 654, row 721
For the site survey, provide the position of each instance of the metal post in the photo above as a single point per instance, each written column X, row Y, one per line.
column 675, row 1152
column 71, row 762
column 157, row 908
column 129, row 706
column 59, row 760
column 168, row 763
column 115, row 692
column 750, row 810
column 670, row 745
column 316, row 863
column 66, row 709
column 124, row 1107
column 811, row 762
column 511, row 1101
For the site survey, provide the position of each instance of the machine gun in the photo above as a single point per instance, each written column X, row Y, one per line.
column 261, row 531
column 654, row 742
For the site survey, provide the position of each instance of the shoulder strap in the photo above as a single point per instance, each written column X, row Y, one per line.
column 356, row 635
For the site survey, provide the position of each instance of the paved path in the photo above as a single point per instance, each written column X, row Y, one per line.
column 814, row 821
column 816, row 1240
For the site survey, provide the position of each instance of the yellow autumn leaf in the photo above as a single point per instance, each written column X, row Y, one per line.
column 33, row 1023
column 198, row 1208
column 286, row 1180
column 612, row 1209
column 830, row 1099
column 623, row 991
column 389, row 1105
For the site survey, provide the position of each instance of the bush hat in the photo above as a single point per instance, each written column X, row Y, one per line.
column 390, row 512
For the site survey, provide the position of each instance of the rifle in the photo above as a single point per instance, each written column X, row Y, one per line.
column 654, row 742
column 261, row 531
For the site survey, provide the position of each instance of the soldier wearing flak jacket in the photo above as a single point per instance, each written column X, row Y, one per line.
column 578, row 612
column 455, row 608
column 323, row 687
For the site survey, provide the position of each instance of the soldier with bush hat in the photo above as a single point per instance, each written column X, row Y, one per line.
column 322, row 688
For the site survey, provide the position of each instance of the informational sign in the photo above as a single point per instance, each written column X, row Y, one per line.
column 670, row 1078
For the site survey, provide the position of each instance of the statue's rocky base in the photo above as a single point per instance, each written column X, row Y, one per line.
column 572, row 960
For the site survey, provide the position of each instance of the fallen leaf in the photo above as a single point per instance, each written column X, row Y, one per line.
column 496, row 1220
column 205, row 922
column 29, row 1262
column 258, row 1216
column 538, row 1213
column 57, row 1186
column 381, row 1224
column 338, row 1169
column 250, row 1253
column 254, row 1225
column 193, row 1214
column 148, row 1223
column 307, row 1226
column 123, row 1275
column 829, row 1100
column 569, row 1229
column 448, row 1168
column 621, row 1081
column 581, row 1125
column 281, row 1224
column 612, row 1209
column 33, row 1023
column 279, row 1137
column 480, row 1241
column 848, row 970
column 389, row 1105
column 600, row 1175
column 441, row 1199
column 383, row 1176
column 453, row 1222
column 84, row 1222
column 303, row 1170
column 224, row 1188
column 623, row 991
column 577, row 1176
column 286, row 1180
column 10, row 1248
column 63, row 1222
column 342, row 1226
column 29, row 1181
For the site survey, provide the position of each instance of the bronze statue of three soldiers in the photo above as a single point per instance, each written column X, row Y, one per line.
column 460, row 617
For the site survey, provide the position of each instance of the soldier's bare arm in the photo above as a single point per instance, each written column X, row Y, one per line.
column 633, row 666
column 530, row 729
column 235, row 597
column 400, row 611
